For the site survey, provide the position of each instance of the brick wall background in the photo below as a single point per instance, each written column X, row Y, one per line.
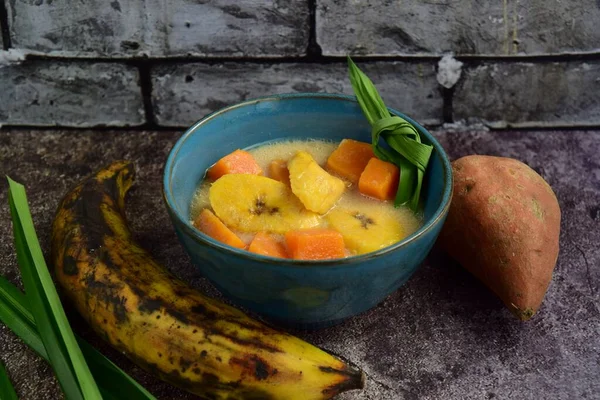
column 167, row 63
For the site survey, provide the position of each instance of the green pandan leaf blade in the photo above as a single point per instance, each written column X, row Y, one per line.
column 370, row 102
column 403, row 146
column 7, row 391
column 65, row 355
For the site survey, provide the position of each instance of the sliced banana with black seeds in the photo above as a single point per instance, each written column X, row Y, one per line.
column 365, row 227
column 252, row 203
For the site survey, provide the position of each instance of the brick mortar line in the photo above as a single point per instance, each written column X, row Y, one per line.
column 319, row 59
column 313, row 49
column 5, row 32
column 145, row 83
column 447, row 105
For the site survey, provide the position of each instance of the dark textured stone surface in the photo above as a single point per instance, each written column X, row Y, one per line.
column 80, row 94
column 441, row 336
column 182, row 94
column 160, row 28
column 530, row 94
column 499, row 28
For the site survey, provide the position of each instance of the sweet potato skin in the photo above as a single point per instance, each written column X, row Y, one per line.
column 503, row 226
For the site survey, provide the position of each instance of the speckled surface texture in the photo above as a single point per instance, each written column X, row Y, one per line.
column 441, row 336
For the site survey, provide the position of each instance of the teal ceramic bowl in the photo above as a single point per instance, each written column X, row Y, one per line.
column 299, row 294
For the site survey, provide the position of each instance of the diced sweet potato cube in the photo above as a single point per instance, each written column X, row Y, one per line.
column 279, row 171
column 211, row 225
column 315, row 244
column 349, row 159
column 379, row 180
column 265, row 244
column 238, row 162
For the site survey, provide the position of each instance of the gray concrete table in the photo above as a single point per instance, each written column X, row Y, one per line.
column 443, row 335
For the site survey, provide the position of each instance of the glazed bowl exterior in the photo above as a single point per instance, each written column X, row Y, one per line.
column 300, row 294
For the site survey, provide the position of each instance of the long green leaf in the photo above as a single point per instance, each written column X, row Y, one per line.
column 113, row 382
column 404, row 147
column 59, row 341
column 7, row 392
column 15, row 315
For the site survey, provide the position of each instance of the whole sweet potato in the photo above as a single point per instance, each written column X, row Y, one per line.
column 503, row 227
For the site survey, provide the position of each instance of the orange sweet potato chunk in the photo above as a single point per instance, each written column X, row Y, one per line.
column 349, row 159
column 379, row 179
column 211, row 225
column 315, row 244
column 265, row 244
column 238, row 162
column 278, row 170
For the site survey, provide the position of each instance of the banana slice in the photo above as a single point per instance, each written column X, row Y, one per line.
column 316, row 188
column 252, row 203
column 366, row 227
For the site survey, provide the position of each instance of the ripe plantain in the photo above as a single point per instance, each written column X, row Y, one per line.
column 366, row 226
column 252, row 203
column 164, row 325
column 316, row 188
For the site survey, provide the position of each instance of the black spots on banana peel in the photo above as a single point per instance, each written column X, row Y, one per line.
column 70, row 266
column 250, row 325
column 178, row 315
column 174, row 376
column 254, row 366
column 256, row 343
column 185, row 364
column 219, row 359
column 149, row 305
column 261, row 370
column 87, row 210
column 199, row 309
column 203, row 354
column 197, row 371
column 108, row 293
column 180, row 293
column 119, row 309
column 210, row 379
column 117, row 183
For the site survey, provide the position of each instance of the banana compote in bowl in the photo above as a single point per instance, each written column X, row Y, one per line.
column 304, row 294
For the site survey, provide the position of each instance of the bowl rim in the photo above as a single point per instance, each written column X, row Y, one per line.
column 198, row 236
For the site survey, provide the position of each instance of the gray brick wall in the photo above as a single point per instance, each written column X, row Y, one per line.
column 479, row 28
column 47, row 93
column 183, row 93
column 170, row 62
column 531, row 94
column 158, row 28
